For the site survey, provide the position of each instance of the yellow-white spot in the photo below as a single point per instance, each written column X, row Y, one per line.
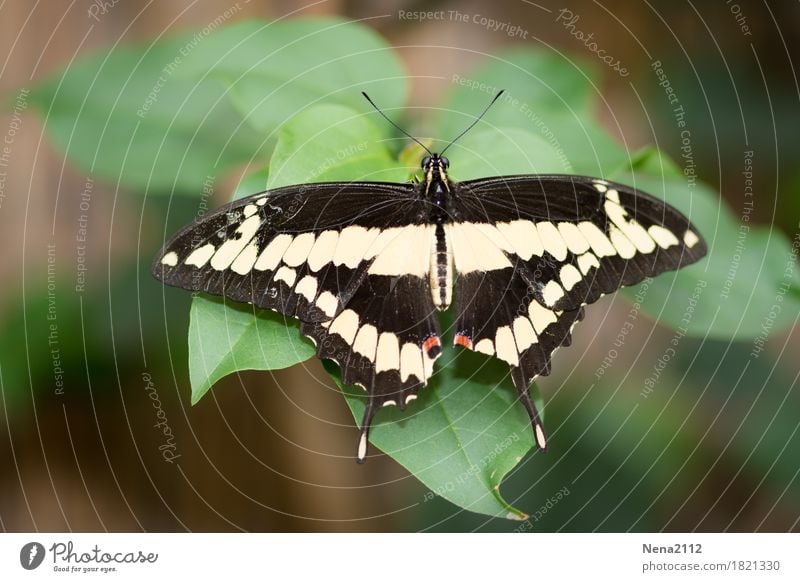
column 287, row 275
column 472, row 251
column 307, row 287
column 485, row 346
column 570, row 276
column 522, row 237
column 345, row 325
column 261, row 201
column 540, row 438
column 411, row 362
column 576, row 242
column 170, row 259
column 624, row 247
column 272, row 253
column 387, row 356
column 540, row 316
column 362, row 447
column 410, row 397
column 231, row 248
column 634, row 231
column 663, row 237
column 597, row 239
column 552, row 292
column 600, row 187
column 200, row 256
column 506, row 347
column 366, row 341
column 552, row 241
column 353, row 244
column 328, row 303
column 586, row 261
column 613, row 195
column 407, row 254
column 389, row 403
column 250, row 210
column 246, row 259
column 489, row 234
column 297, row 253
column 690, row 239
column 523, row 333
column 323, row 249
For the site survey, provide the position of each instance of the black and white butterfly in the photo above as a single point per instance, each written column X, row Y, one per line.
column 365, row 266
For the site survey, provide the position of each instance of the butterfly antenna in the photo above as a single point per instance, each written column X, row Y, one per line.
column 403, row 131
column 477, row 119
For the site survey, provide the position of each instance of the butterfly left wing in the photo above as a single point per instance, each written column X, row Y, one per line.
column 531, row 251
column 301, row 250
column 350, row 260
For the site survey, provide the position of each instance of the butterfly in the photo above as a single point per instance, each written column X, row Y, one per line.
column 366, row 266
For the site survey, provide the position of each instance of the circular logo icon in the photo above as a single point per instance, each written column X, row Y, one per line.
column 31, row 555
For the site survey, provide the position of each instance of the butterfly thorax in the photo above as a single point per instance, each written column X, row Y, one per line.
column 436, row 188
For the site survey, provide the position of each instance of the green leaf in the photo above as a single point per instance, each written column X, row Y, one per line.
column 331, row 143
column 740, row 280
column 503, row 152
column 546, row 95
column 274, row 70
column 128, row 116
column 227, row 338
column 534, row 82
column 463, row 434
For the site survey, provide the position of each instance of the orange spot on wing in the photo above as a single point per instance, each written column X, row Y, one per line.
column 431, row 343
column 462, row 340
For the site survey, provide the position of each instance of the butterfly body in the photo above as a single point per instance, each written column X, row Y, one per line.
column 365, row 266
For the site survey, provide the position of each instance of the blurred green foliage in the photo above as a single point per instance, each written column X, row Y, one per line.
column 293, row 87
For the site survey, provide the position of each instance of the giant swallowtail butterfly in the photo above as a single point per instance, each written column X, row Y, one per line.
column 365, row 266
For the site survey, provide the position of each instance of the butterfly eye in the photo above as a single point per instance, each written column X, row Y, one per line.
column 426, row 161
column 445, row 162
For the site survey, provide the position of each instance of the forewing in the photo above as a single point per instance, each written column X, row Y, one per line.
column 573, row 238
column 302, row 250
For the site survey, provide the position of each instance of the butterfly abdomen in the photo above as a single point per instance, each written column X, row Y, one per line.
column 441, row 274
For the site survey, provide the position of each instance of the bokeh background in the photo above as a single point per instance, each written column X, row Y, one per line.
column 715, row 448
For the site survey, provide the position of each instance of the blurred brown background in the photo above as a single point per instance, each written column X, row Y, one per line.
column 274, row 452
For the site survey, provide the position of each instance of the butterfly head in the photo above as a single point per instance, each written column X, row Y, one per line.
column 435, row 164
